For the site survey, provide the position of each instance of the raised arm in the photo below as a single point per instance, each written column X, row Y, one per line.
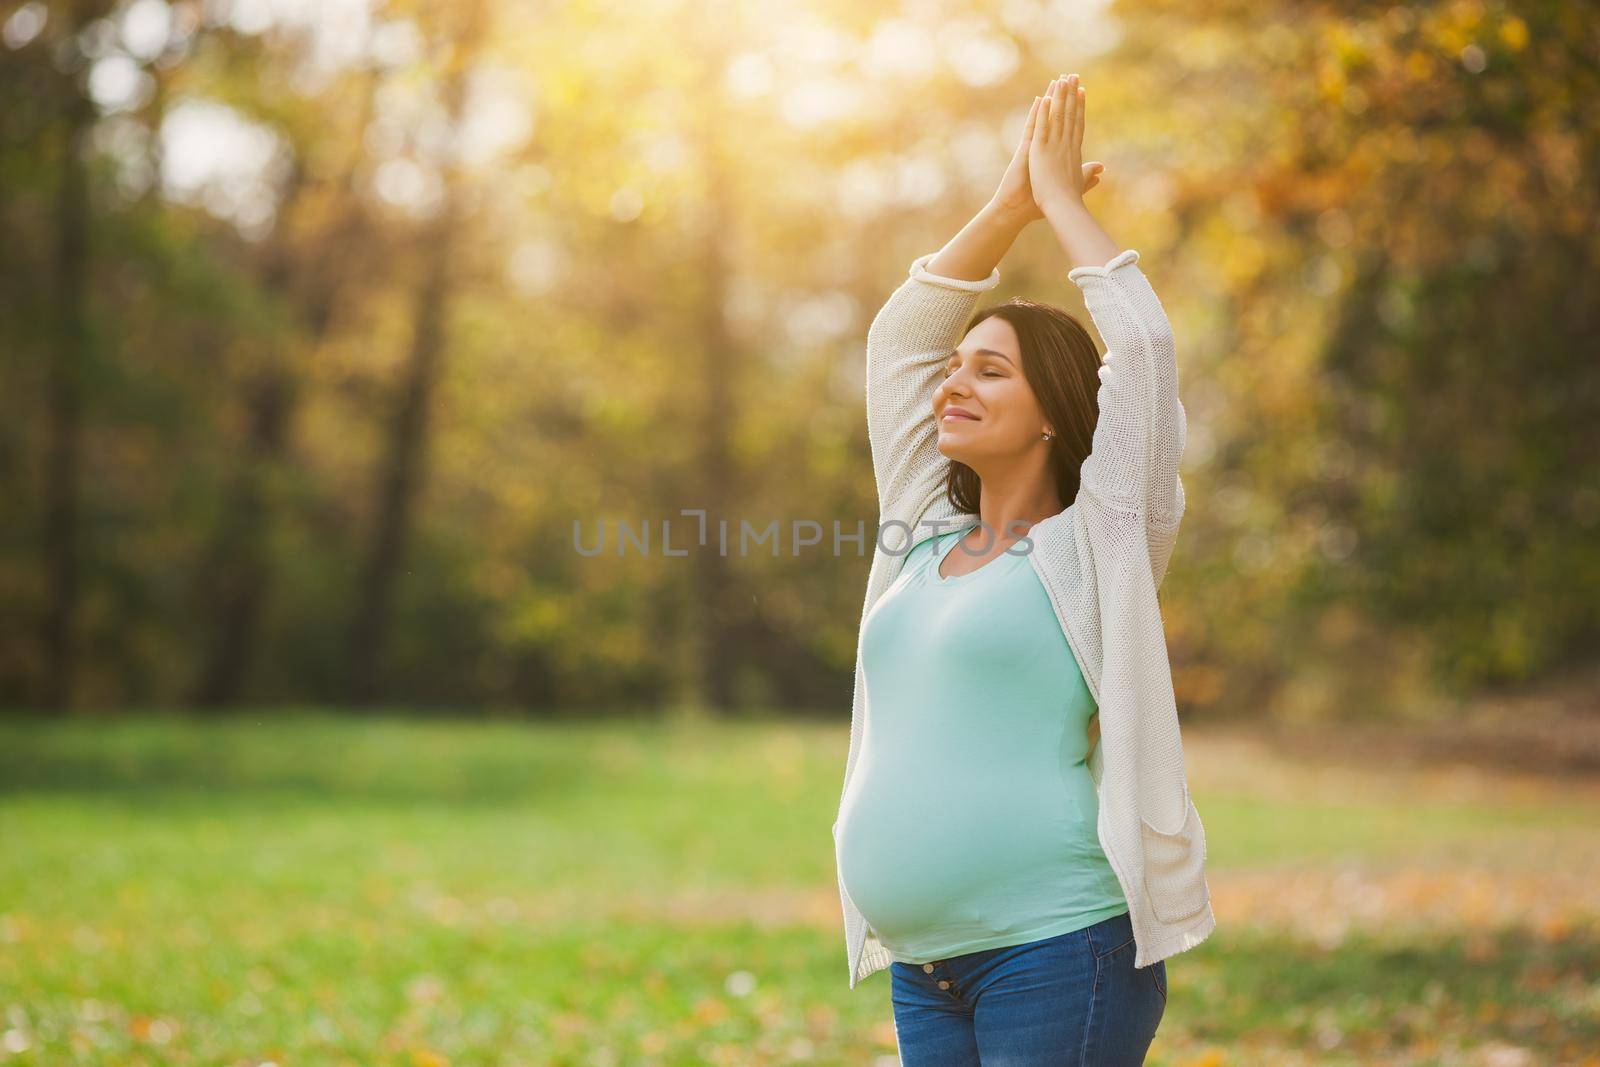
column 908, row 344
column 1132, row 468
column 1139, row 437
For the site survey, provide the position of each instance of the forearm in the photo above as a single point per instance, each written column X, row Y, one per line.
column 1083, row 240
column 977, row 250
column 1139, row 433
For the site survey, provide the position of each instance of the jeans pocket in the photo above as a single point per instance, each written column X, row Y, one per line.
column 1110, row 936
column 1158, row 974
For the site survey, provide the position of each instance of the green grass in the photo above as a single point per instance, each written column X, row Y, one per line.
column 306, row 889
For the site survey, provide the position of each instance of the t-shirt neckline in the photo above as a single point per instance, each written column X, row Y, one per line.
column 956, row 579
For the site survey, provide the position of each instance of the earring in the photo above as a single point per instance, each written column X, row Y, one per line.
column 1047, row 436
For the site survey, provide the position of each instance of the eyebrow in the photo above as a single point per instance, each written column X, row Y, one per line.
column 983, row 352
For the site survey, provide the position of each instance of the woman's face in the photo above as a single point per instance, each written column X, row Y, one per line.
column 983, row 379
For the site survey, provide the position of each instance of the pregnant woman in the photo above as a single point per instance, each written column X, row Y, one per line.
column 1016, row 842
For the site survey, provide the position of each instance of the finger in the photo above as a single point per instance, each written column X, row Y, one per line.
column 1083, row 98
column 1091, row 173
column 1059, row 113
column 1070, row 120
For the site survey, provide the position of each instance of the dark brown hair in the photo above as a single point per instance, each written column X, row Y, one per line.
column 1062, row 366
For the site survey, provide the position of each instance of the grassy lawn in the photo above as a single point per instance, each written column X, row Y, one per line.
column 303, row 889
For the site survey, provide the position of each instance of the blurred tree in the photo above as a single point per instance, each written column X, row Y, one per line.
column 402, row 470
column 311, row 260
column 62, row 541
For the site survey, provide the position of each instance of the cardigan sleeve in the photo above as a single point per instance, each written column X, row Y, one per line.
column 908, row 343
column 1139, row 436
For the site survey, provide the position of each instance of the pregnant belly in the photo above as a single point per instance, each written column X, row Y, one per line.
column 921, row 852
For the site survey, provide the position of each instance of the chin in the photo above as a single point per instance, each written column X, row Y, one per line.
column 954, row 450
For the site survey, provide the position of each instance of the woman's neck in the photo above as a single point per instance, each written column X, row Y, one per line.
column 1007, row 511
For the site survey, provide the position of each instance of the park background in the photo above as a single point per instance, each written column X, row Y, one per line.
column 330, row 329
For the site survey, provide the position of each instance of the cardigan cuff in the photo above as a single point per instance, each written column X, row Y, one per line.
column 1123, row 257
column 920, row 272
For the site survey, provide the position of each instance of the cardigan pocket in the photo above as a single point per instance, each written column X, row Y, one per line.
column 1174, row 867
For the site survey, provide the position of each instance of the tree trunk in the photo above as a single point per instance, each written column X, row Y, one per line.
column 404, row 469
column 720, row 645
column 63, row 473
column 239, row 574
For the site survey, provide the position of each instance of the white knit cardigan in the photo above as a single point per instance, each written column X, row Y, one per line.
column 1101, row 560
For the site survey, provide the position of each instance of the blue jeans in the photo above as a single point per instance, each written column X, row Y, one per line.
column 1072, row 1000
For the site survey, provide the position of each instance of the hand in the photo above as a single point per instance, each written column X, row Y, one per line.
column 1056, row 171
column 1015, row 197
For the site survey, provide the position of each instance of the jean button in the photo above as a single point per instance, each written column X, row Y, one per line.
column 944, row 985
column 928, row 968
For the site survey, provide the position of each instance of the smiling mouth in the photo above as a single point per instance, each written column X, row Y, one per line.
column 954, row 417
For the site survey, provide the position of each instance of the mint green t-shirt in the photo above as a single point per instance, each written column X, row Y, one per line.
column 970, row 820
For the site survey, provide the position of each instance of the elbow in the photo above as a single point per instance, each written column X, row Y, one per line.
column 876, row 327
column 1172, row 437
column 1163, row 345
column 892, row 320
column 885, row 336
